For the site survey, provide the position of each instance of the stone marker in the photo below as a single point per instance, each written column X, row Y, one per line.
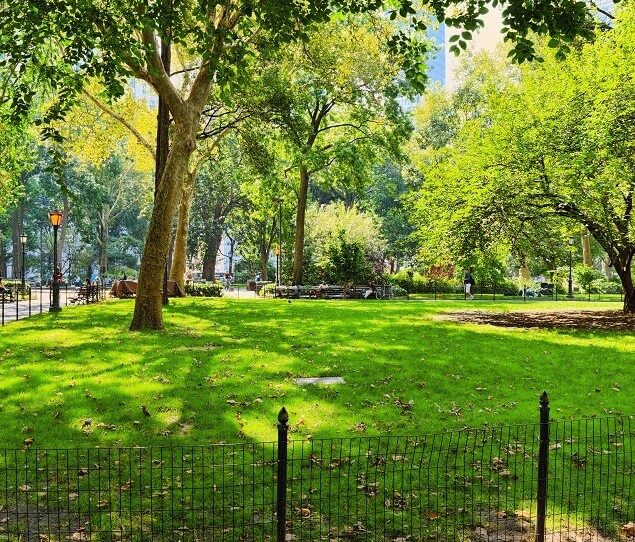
column 326, row 380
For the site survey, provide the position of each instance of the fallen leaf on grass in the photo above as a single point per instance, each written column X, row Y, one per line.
column 523, row 514
column 629, row 528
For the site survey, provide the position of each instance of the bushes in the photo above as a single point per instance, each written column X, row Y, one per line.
column 209, row 289
column 415, row 283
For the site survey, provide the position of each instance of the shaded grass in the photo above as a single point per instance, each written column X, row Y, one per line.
column 224, row 367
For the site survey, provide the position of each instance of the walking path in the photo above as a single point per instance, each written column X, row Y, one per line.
column 10, row 311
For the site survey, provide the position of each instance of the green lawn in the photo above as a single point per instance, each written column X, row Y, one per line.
column 224, row 367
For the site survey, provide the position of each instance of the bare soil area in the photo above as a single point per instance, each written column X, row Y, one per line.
column 600, row 320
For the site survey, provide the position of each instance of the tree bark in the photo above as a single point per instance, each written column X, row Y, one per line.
column 149, row 301
column 3, row 260
column 623, row 269
column 179, row 258
column 17, row 219
column 62, row 232
column 104, row 226
column 523, row 273
column 163, row 139
column 299, row 225
column 212, row 241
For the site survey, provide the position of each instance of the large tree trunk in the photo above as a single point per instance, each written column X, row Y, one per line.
column 606, row 268
column 629, row 290
column 299, row 225
column 622, row 265
column 163, row 140
column 149, row 301
column 264, row 249
column 3, row 260
column 62, row 232
column 179, row 258
column 17, row 219
column 104, row 225
column 209, row 257
column 212, row 241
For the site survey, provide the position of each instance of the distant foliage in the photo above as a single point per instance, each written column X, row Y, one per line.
column 211, row 289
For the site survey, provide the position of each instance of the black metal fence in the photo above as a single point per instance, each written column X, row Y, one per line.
column 21, row 305
column 500, row 293
column 505, row 483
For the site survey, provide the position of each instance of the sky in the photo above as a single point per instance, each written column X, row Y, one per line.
column 485, row 39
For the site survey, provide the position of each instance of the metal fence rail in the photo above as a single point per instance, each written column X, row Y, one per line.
column 473, row 484
column 37, row 300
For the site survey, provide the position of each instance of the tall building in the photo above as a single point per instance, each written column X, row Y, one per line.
column 436, row 59
column 436, row 64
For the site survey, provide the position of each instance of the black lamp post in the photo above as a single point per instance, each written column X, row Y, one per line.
column 23, row 241
column 571, row 241
column 279, row 247
column 56, row 219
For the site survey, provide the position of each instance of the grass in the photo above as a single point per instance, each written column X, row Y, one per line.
column 223, row 369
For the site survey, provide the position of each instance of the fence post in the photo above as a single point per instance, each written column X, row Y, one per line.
column 543, row 463
column 283, row 429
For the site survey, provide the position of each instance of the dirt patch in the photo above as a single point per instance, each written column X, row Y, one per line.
column 501, row 527
column 601, row 320
column 33, row 524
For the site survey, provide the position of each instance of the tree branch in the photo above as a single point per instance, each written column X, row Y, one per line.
column 139, row 137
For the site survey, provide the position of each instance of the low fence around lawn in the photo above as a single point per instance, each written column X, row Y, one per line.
column 494, row 293
column 38, row 300
column 548, row 481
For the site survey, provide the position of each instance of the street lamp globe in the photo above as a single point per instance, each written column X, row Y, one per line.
column 56, row 218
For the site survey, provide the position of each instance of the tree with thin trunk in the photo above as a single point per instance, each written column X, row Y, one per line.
column 71, row 40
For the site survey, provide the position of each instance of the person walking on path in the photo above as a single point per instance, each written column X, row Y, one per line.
column 468, row 282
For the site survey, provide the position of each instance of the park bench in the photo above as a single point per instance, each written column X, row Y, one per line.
column 86, row 294
column 333, row 292
column 293, row 292
column 322, row 292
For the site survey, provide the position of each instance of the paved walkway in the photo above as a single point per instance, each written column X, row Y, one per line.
column 20, row 309
column 240, row 293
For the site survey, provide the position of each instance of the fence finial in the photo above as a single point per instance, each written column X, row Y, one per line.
column 283, row 416
column 544, row 398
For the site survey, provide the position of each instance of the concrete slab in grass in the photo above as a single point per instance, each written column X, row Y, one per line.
column 326, row 380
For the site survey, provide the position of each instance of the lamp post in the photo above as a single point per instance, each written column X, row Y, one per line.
column 56, row 219
column 571, row 241
column 23, row 241
column 279, row 247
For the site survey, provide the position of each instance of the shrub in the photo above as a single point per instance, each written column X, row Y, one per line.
column 415, row 283
column 209, row 289
column 586, row 277
column 612, row 287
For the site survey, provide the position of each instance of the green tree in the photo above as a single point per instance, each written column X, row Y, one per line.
column 61, row 43
column 554, row 151
column 333, row 101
